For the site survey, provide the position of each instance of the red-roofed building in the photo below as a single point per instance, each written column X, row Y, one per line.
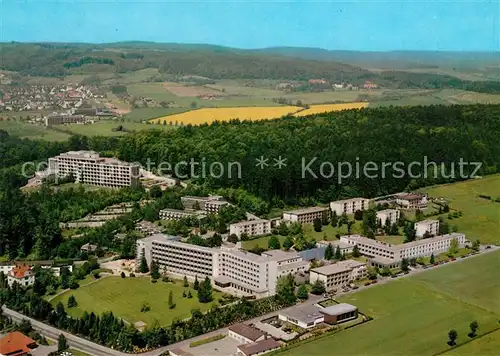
column 21, row 274
column 16, row 344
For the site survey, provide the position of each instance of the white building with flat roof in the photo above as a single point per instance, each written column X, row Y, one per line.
column 251, row 227
column 306, row 215
column 87, row 167
column 391, row 215
column 349, row 206
column 338, row 274
column 430, row 226
column 231, row 269
column 419, row 248
column 412, row 200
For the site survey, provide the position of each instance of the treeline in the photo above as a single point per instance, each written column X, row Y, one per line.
column 445, row 135
column 87, row 60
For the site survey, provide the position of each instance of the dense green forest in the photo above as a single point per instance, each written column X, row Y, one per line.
column 58, row 60
column 442, row 134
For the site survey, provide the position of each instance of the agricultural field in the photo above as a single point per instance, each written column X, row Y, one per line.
column 480, row 217
column 35, row 132
column 208, row 115
column 109, row 128
column 126, row 296
column 412, row 316
column 318, row 109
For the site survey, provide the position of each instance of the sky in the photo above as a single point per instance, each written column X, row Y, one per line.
column 366, row 25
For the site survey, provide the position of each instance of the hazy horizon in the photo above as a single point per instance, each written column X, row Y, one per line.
column 373, row 26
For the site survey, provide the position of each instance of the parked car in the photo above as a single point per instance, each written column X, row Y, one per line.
column 488, row 247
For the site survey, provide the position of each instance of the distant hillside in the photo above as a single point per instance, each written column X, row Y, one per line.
column 391, row 59
column 217, row 62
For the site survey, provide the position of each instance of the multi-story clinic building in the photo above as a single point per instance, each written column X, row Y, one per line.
column 391, row 215
column 305, row 216
column 386, row 253
column 349, row 206
column 89, row 168
column 231, row 269
column 338, row 274
column 251, row 227
column 430, row 226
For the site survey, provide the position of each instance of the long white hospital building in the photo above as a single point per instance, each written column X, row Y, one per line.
column 89, row 168
column 231, row 269
column 386, row 254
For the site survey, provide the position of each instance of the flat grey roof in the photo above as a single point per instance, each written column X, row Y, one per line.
column 339, row 309
column 304, row 313
column 338, row 267
column 311, row 209
column 250, row 222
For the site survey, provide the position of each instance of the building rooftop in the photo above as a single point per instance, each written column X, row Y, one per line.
column 20, row 271
column 16, row 343
column 278, row 255
column 453, row 235
column 246, row 331
column 312, row 209
column 427, row 221
column 339, row 309
column 334, row 243
column 409, row 196
column 304, row 313
column 415, row 243
column 338, row 267
column 349, row 200
column 259, row 347
column 250, row 222
column 387, row 211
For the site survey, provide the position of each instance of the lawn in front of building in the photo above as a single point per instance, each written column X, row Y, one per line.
column 125, row 297
column 480, row 217
column 412, row 316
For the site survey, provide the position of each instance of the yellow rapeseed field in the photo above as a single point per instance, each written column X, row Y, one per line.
column 318, row 109
column 208, row 115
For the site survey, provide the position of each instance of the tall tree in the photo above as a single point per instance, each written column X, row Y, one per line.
column 143, row 267
column 317, row 224
column 329, row 252
column 302, row 292
column 62, row 343
column 355, row 251
column 273, row 243
column 155, row 270
column 452, row 337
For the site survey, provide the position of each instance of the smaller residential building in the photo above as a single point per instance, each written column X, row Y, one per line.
column 388, row 215
column 88, row 247
column 23, row 275
column 412, row 201
column 339, row 313
column 349, row 206
column 175, row 214
column 16, row 344
column 338, row 274
column 305, row 216
column 427, row 226
column 258, row 348
column 245, row 334
column 251, row 227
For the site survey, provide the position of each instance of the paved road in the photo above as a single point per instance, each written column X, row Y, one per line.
column 98, row 350
column 74, row 341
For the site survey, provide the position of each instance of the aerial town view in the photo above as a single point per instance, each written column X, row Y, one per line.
column 232, row 178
